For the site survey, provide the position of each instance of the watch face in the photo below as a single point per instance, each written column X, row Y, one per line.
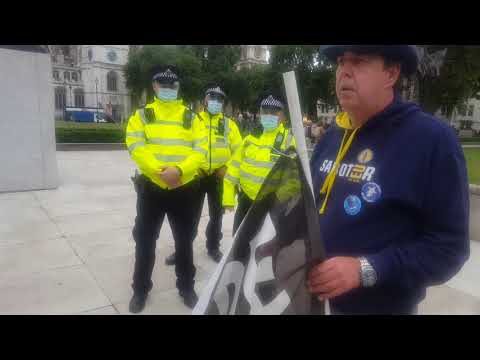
column 112, row 55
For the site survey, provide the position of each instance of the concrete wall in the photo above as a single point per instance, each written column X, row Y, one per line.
column 27, row 129
column 475, row 212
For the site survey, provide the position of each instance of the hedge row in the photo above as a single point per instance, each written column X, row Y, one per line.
column 89, row 135
column 475, row 139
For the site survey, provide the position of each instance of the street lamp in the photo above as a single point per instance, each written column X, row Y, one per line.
column 96, row 93
column 65, row 103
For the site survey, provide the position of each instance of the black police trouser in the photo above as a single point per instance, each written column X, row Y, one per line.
column 152, row 205
column 244, row 204
column 212, row 186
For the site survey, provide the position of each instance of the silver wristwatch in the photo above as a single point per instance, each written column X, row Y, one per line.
column 368, row 275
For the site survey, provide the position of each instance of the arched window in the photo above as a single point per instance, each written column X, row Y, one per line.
column 74, row 76
column 56, row 75
column 66, row 75
column 60, row 98
column 79, row 98
column 112, row 81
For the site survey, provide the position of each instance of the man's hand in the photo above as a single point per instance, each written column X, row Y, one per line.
column 334, row 277
column 171, row 176
column 228, row 209
column 221, row 172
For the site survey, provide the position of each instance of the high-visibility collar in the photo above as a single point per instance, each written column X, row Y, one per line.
column 168, row 104
column 212, row 120
column 268, row 138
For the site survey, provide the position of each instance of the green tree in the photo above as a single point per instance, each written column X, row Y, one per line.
column 216, row 63
column 315, row 78
column 458, row 80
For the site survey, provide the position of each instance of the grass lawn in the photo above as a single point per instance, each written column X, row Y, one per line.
column 472, row 155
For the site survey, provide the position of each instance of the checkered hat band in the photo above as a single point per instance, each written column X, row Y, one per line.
column 166, row 75
column 272, row 102
column 215, row 90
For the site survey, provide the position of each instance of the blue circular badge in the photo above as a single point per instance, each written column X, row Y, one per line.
column 352, row 205
column 371, row 192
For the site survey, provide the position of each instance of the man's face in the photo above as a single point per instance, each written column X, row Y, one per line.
column 362, row 79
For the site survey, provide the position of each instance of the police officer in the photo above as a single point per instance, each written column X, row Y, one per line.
column 223, row 139
column 169, row 145
column 252, row 162
column 391, row 187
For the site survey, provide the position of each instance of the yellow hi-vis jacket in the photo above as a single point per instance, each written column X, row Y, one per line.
column 167, row 134
column 224, row 138
column 252, row 162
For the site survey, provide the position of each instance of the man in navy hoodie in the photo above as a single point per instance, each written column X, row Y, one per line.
column 391, row 187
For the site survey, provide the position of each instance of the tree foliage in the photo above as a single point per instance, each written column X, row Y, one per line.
column 457, row 81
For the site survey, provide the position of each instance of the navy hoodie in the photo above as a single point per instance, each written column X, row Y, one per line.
column 400, row 199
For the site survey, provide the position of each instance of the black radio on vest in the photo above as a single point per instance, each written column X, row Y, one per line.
column 187, row 119
column 221, row 127
column 149, row 115
column 278, row 141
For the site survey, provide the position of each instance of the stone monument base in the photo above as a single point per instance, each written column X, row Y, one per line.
column 27, row 129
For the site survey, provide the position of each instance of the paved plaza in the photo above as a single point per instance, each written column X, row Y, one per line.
column 70, row 250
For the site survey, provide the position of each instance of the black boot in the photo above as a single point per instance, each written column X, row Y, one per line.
column 169, row 261
column 137, row 303
column 190, row 297
column 216, row 255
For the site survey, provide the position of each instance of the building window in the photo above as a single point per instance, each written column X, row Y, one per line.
column 66, row 75
column 116, row 113
column 90, row 54
column 258, row 52
column 66, row 50
column 470, row 110
column 79, row 98
column 112, row 81
column 56, row 75
column 60, row 98
column 244, row 53
column 74, row 76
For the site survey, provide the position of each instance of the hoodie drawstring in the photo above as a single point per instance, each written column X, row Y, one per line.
column 330, row 179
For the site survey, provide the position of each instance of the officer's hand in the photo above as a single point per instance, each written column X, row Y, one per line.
column 228, row 209
column 171, row 176
column 221, row 172
column 334, row 277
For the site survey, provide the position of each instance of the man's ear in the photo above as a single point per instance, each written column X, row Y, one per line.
column 393, row 74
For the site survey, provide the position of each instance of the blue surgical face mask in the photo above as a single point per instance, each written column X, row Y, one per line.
column 166, row 94
column 214, row 107
column 269, row 122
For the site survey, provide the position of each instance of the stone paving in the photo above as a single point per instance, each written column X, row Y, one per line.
column 70, row 250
